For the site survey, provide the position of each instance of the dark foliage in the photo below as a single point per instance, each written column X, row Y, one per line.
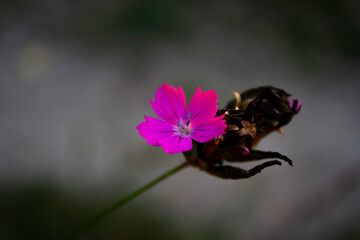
column 250, row 117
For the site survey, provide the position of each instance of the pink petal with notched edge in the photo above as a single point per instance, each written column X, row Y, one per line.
column 177, row 100
column 176, row 144
column 203, row 106
column 209, row 130
column 154, row 130
column 170, row 104
column 162, row 107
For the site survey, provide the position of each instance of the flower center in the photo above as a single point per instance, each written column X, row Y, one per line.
column 184, row 130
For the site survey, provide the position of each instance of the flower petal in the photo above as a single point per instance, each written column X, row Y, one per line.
column 177, row 100
column 203, row 106
column 154, row 130
column 170, row 104
column 205, row 132
column 176, row 144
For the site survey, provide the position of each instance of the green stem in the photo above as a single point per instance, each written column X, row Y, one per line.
column 121, row 202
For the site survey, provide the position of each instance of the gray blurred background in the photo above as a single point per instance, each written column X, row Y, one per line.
column 75, row 79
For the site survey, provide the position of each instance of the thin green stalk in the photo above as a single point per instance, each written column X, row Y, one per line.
column 121, row 202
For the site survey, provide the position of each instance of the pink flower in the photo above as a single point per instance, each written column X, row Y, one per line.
column 180, row 124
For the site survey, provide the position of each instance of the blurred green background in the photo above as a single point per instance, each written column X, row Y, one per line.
column 75, row 79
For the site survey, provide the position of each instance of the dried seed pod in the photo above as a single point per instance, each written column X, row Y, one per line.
column 259, row 112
